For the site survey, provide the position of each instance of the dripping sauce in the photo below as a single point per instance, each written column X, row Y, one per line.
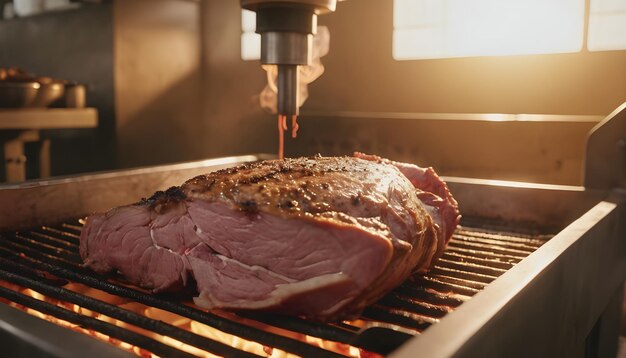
column 282, row 127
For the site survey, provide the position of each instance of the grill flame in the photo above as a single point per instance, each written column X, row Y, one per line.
column 169, row 318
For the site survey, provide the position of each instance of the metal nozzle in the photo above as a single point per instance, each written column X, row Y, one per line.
column 287, row 28
column 288, row 90
column 287, row 50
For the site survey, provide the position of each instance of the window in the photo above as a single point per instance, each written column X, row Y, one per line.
column 426, row 29
column 460, row 28
column 250, row 41
column 607, row 25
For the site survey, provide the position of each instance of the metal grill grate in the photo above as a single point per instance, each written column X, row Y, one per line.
column 46, row 260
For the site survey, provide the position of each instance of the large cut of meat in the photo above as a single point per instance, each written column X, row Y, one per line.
column 320, row 237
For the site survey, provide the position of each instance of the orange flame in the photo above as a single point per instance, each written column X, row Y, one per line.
column 173, row 319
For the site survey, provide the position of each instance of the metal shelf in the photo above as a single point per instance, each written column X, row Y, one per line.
column 18, row 126
column 48, row 118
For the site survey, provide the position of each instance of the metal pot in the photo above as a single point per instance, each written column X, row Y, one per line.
column 48, row 94
column 18, row 94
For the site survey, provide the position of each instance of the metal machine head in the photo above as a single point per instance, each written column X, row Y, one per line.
column 287, row 28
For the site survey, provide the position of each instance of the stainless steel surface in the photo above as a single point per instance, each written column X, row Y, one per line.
column 542, row 205
column 321, row 6
column 287, row 85
column 547, row 304
column 530, row 148
column 18, row 94
column 605, row 159
column 286, row 48
column 30, row 94
column 23, row 335
column 478, row 117
column 48, row 94
column 564, row 299
column 75, row 96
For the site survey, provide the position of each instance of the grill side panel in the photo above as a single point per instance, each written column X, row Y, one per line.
column 548, row 303
column 28, row 336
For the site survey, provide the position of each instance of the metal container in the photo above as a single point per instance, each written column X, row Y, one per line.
column 48, row 94
column 19, row 94
column 30, row 94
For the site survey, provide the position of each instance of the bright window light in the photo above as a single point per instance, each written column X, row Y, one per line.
column 607, row 25
column 250, row 41
column 425, row 29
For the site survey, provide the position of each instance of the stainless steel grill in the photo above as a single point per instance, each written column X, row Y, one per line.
column 46, row 260
column 493, row 293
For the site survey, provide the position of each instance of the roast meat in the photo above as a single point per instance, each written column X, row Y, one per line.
column 319, row 237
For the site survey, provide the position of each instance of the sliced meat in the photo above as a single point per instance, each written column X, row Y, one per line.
column 320, row 237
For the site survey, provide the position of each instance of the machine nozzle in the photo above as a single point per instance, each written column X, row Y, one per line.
column 286, row 50
column 287, row 28
column 287, row 86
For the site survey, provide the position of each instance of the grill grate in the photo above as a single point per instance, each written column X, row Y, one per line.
column 46, row 260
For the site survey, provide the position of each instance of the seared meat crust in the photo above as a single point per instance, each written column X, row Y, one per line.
column 320, row 237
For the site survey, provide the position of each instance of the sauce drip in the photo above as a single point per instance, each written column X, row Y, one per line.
column 294, row 126
column 282, row 126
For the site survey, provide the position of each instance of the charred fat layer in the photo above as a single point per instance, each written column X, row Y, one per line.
column 172, row 195
column 320, row 237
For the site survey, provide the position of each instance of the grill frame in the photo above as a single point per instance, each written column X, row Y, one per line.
column 29, row 336
column 537, row 206
column 550, row 303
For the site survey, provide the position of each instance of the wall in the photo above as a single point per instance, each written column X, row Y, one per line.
column 361, row 75
column 158, row 82
column 233, row 121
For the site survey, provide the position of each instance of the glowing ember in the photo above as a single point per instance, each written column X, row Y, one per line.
column 328, row 345
column 172, row 319
column 236, row 342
